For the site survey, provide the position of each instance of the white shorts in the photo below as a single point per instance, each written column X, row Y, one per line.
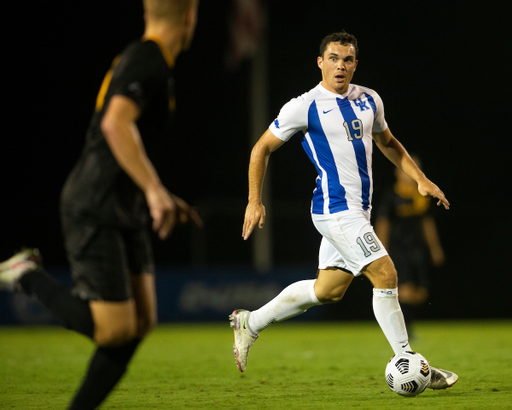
column 349, row 241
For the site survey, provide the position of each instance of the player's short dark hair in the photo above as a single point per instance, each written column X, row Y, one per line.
column 341, row 37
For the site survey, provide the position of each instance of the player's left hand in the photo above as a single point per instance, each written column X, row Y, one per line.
column 428, row 188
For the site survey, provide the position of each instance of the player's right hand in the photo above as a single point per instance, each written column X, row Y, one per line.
column 166, row 209
column 254, row 215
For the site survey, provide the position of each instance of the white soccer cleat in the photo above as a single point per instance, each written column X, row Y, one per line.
column 442, row 379
column 15, row 267
column 244, row 337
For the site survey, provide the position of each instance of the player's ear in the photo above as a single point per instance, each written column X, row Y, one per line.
column 320, row 62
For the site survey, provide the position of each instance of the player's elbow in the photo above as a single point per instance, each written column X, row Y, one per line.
column 109, row 127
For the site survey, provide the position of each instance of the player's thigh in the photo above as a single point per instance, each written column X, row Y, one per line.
column 102, row 260
column 115, row 323
column 144, row 293
column 331, row 284
column 142, row 277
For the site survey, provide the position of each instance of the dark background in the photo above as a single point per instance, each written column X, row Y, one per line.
column 442, row 69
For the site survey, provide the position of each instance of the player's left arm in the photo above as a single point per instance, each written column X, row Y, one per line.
column 398, row 155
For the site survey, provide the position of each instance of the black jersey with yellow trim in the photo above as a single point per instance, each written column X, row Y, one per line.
column 97, row 189
column 405, row 208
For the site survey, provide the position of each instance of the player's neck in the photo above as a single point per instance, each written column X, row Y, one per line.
column 167, row 36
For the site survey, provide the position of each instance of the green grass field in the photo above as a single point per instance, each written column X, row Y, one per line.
column 293, row 365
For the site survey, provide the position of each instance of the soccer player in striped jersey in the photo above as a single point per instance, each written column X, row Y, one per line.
column 338, row 123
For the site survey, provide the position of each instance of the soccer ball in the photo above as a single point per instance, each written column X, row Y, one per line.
column 408, row 374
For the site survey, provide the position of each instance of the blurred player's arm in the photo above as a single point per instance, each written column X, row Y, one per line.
column 255, row 211
column 122, row 135
column 383, row 229
column 397, row 154
column 432, row 240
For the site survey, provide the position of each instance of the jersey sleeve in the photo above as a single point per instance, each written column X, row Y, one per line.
column 139, row 74
column 291, row 119
column 379, row 121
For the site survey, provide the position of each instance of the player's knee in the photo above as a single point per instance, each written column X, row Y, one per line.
column 389, row 278
column 116, row 335
column 382, row 273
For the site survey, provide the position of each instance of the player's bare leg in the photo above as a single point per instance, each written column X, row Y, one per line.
column 115, row 330
column 114, row 322
column 331, row 284
column 119, row 328
column 144, row 293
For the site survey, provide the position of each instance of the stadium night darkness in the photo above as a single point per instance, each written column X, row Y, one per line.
column 442, row 70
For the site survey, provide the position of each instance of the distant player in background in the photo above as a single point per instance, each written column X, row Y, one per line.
column 408, row 231
column 107, row 204
column 338, row 123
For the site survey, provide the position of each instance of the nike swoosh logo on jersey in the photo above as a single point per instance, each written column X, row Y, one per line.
column 325, row 112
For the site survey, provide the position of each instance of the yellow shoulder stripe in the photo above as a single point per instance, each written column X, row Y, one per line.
column 100, row 99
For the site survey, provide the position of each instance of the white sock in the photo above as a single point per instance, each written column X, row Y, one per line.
column 292, row 301
column 390, row 318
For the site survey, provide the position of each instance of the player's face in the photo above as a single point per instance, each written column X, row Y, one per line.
column 338, row 65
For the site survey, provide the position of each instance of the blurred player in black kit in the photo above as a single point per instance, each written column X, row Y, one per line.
column 407, row 229
column 108, row 202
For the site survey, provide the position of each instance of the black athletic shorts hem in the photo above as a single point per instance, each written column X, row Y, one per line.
column 103, row 258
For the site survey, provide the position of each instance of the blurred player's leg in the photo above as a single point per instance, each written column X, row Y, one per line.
column 411, row 297
column 24, row 272
column 116, row 330
column 137, row 318
column 144, row 293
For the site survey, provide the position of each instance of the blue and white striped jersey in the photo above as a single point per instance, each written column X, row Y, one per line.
column 336, row 134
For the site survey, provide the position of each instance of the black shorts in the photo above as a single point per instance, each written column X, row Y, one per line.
column 412, row 266
column 102, row 258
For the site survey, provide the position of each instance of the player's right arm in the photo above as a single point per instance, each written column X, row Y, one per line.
column 123, row 138
column 255, row 211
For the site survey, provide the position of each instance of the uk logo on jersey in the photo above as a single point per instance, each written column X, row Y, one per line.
column 361, row 104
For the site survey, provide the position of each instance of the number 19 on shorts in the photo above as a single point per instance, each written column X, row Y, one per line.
column 368, row 244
